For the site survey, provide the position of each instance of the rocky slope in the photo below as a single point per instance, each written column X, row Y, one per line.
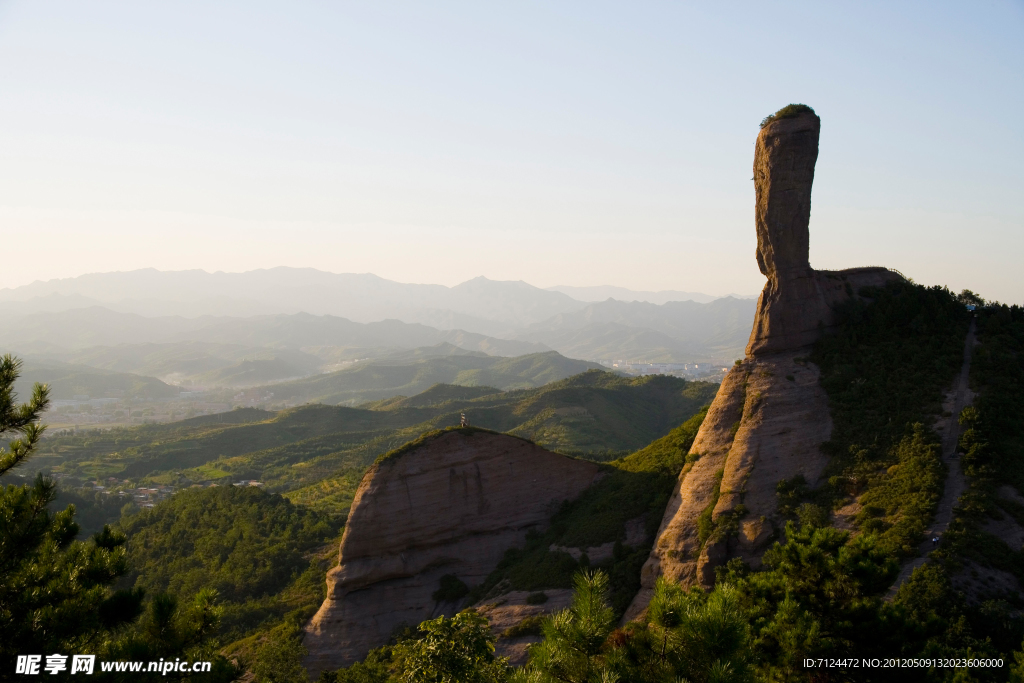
column 509, row 611
column 770, row 415
column 450, row 503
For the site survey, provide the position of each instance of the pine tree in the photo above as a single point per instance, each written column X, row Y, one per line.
column 54, row 594
column 703, row 638
column 573, row 638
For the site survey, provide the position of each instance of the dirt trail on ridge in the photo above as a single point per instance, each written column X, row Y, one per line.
column 957, row 399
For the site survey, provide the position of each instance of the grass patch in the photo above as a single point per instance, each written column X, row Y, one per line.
column 331, row 496
column 705, row 524
column 903, row 499
column 210, row 472
column 530, row 626
column 431, row 436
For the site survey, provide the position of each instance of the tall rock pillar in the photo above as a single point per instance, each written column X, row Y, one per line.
column 784, row 159
column 770, row 415
column 791, row 305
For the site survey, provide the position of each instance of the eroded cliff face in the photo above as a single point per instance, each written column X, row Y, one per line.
column 452, row 505
column 770, row 415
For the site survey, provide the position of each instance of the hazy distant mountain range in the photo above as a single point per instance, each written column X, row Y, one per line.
column 605, row 292
column 82, row 328
column 478, row 305
column 242, row 329
column 639, row 330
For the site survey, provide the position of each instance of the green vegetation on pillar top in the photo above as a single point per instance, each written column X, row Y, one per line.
column 787, row 112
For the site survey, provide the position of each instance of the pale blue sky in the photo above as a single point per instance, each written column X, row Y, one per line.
column 559, row 143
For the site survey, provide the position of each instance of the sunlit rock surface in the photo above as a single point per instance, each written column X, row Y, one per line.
column 450, row 505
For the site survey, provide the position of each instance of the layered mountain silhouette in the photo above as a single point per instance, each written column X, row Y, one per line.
column 478, row 305
column 657, row 333
column 365, row 315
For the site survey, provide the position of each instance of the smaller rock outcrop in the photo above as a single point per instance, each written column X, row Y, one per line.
column 510, row 611
column 452, row 503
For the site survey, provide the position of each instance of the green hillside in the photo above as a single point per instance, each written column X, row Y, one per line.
column 407, row 374
column 266, row 556
column 317, row 453
column 199, row 361
column 256, row 549
column 980, row 565
column 885, row 371
column 253, row 372
column 596, row 415
column 68, row 381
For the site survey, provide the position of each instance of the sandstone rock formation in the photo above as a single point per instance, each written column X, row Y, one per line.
column 510, row 610
column 452, row 504
column 770, row 414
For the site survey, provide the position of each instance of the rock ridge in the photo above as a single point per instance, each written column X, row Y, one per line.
column 450, row 503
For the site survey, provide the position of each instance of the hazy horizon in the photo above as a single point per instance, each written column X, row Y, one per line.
column 556, row 287
column 571, row 144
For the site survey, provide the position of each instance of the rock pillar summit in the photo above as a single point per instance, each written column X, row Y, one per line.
column 794, row 300
column 770, row 415
column 784, row 160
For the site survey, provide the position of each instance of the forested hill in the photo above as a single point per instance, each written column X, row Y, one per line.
column 411, row 372
column 318, row 453
column 67, row 380
column 263, row 555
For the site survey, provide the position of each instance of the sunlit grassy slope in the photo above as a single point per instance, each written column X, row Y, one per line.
column 317, row 453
